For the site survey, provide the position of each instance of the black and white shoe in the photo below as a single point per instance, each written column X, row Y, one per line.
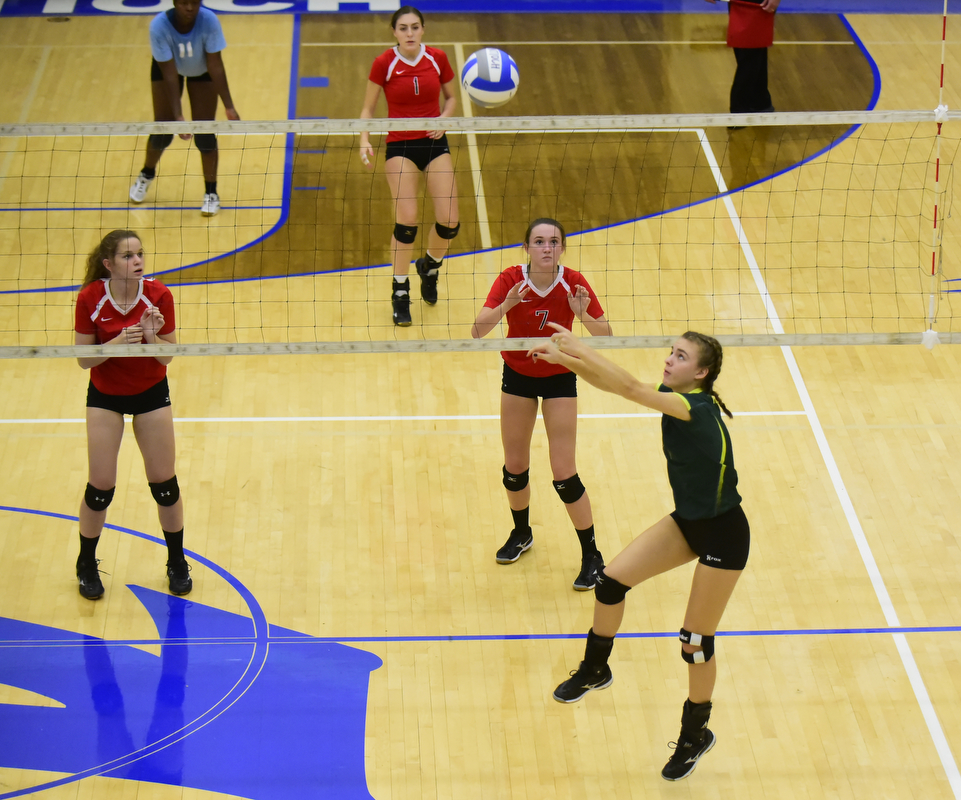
column 88, row 573
column 687, row 752
column 587, row 578
column 178, row 577
column 518, row 542
column 400, row 300
column 584, row 679
column 428, row 280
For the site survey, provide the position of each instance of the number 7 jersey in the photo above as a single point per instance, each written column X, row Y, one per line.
column 529, row 318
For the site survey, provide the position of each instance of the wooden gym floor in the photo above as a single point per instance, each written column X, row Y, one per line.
column 349, row 633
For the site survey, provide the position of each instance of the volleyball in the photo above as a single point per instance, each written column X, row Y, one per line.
column 490, row 77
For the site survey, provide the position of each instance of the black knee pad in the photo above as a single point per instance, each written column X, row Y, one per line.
column 514, row 483
column 570, row 490
column 446, row 233
column 205, row 142
column 98, row 499
column 405, row 234
column 159, row 141
column 166, row 493
column 706, row 643
column 607, row 590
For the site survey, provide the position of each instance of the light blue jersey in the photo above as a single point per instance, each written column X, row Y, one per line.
column 188, row 50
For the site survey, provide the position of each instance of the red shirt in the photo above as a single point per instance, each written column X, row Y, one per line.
column 97, row 314
column 412, row 88
column 529, row 318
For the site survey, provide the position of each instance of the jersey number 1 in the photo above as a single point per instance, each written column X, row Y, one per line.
column 416, row 86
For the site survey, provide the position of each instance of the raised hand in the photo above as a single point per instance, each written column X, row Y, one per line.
column 579, row 301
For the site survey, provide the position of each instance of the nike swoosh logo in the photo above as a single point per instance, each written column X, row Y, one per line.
column 106, row 319
column 400, row 72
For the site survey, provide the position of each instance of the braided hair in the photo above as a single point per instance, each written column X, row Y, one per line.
column 106, row 250
column 711, row 357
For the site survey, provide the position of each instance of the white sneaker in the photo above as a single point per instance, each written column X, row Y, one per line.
column 139, row 189
column 211, row 204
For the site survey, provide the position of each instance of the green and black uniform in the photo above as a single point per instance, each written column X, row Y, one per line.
column 700, row 468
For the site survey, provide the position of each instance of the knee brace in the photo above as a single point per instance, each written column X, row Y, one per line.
column 607, row 590
column 166, row 493
column 205, row 142
column 706, row 643
column 570, row 490
column 515, row 483
column 405, row 234
column 446, row 233
column 97, row 499
column 159, row 141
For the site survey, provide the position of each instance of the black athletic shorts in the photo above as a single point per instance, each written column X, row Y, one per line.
column 563, row 385
column 157, row 396
column 157, row 75
column 420, row 151
column 723, row 541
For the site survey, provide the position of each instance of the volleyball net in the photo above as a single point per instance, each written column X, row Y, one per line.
column 789, row 229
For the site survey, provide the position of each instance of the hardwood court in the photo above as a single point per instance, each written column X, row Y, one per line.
column 358, row 499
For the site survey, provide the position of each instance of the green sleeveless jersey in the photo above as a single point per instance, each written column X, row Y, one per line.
column 700, row 462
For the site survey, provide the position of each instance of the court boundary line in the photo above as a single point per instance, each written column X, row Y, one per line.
column 854, row 524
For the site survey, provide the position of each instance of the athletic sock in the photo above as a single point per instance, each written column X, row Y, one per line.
column 175, row 546
column 88, row 548
column 588, row 546
column 598, row 650
column 522, row 518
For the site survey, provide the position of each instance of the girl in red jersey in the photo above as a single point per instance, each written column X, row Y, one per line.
column 117, row 306
column 413, row 77
column 530, row 297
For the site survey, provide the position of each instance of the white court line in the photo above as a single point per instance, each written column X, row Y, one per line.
column 880, row 590
column 483, row 222
column 385, row 418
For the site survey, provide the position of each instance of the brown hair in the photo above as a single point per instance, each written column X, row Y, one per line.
column 104, row 251
column 711, row 357
column 545, row 221
column 405, row 10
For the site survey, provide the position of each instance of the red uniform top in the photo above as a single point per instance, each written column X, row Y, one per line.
column 412, row 88
column 529, row 318
column 98, row 314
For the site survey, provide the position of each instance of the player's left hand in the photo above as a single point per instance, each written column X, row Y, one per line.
column 151, row 321
column 579, row 301
column 231, row 113
column 435, row 134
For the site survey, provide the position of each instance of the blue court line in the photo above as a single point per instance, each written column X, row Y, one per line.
column 309, row 188
column 290, row 150
column 314, row 83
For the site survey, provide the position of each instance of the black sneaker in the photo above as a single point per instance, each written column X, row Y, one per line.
column 587, row 578
column 178, row 577
column 400, row 299
column 517, row 543
column 428, row 281
column 88, row 574
column 687, row 752
column 584, row 679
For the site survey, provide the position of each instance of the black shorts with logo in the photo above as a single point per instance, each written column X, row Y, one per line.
column 420, row 151
column 563, row 385
column 157, row 396
column 723, row 541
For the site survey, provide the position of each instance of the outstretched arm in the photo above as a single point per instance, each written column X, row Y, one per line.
column 566, row 349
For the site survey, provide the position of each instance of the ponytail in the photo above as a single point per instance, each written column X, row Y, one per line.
column 107, row 249
column 711, row 357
